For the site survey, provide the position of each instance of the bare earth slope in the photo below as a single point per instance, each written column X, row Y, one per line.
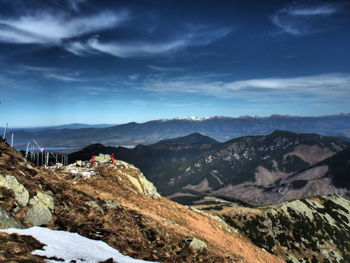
column 116, row 204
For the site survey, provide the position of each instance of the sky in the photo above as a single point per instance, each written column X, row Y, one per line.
column 91, row 61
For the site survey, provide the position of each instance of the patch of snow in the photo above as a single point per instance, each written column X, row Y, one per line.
column 209, row 159
column 72, row 247
column 88, row 174
column 191, row 118
column 74, row 171
column 197, row 165
column 188, row 169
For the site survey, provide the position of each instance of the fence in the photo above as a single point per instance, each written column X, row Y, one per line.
column 45, row 158
column 38, row 155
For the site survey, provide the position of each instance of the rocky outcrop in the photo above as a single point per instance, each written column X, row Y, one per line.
column 138, row 181
column 11, row 183
column 143, row 186
column 40, row 211
column 7, row 221
column 148, row 188
column 103, row 158
column 197, row 244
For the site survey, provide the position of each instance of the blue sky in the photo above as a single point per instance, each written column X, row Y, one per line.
column 89, row 61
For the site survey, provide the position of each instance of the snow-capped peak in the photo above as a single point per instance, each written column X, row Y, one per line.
column 193, row 118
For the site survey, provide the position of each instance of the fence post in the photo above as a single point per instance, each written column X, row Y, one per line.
column 4, row 137
column 27, row 150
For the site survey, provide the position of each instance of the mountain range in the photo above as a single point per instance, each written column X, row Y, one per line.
column 257, row 170
column 219, row 128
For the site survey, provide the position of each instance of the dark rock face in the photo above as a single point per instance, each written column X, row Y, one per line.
column 313, row 229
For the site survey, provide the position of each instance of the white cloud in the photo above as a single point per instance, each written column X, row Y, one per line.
column 55, row 76
column 334, row 85
column 194, row 36
column 315, row 11
column 61, row 29
column 301, row 20
column 52, row 29
column 47, row 73
column 75, row 4
column 78, row 48
column 134, row 76
column 164, row 69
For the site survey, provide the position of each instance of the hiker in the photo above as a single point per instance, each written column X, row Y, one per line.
column 93, row 160
column 112, row 158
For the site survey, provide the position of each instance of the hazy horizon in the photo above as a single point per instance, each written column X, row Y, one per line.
column 179, row 118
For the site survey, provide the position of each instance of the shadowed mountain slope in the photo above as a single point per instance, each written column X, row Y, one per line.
column 251, row 169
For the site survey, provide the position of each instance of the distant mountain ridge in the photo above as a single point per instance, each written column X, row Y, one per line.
column 219, row 128
column 59, row 127
column 194, row 138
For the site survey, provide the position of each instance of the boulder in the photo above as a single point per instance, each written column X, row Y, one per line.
column 135, row 182
column 149, row 189
column 40, row 212
column 143, row 186
column 196, row 244
column 58, row 165
column 103, row 158
column 79, row 163
column 7, row 221
column 21, row 193
column 94, row 205
column 111, row 204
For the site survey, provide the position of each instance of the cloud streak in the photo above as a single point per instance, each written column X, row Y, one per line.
column 54, row 76
column 81, row 34
column 302, row 20
column 328, row 86
column 75, row 4
column 194, row 36
column 54, row 28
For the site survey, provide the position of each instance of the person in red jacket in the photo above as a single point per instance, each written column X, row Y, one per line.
column 93, row 160
column 112, row 158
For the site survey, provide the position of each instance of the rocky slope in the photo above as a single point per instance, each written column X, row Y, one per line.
column 219, row 128
column 331, row 175
column 113, row 203
column 246, row 168
column 314, row 229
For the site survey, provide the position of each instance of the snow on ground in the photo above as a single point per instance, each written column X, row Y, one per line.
column 72, row 246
